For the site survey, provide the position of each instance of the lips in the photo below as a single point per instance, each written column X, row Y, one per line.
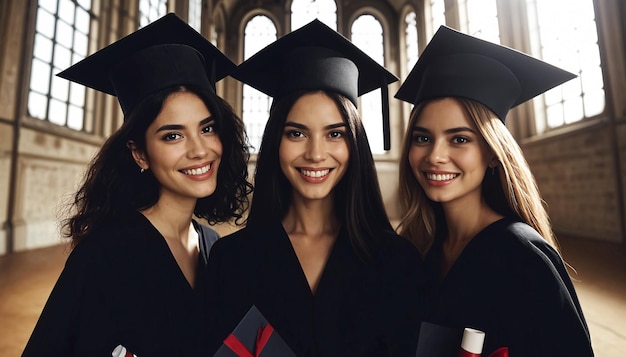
column 315, row 173
column 197, row 171
column 440, row 177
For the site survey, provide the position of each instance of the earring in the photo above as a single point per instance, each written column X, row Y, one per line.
column 142, row 170
column 493, row 170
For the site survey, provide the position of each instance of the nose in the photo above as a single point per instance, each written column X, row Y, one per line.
column 438, row 153
column 315, row 150
column 196, row 147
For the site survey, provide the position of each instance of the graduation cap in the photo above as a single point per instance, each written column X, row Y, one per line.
column 254, row 336
column 165, row 53
column 316, row 57
column 454, row 64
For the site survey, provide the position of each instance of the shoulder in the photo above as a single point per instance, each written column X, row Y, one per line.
column 241, row 244
column 120, row 235
column 521, row 240
column 397, row 252
column 525, row 251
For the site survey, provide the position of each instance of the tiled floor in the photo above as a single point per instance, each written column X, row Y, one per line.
column 27, row 278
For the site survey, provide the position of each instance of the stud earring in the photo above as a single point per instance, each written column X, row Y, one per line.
column 142, row 170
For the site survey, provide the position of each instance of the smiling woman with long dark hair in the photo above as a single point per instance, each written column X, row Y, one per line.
column 135, row 280
column 318, row 257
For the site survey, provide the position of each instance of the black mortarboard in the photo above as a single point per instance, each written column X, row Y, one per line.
column 165, row 53
column 454, row 64
column 316, row 57
column 254, row 336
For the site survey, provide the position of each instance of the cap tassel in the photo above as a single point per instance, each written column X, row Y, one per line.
column 384, row 93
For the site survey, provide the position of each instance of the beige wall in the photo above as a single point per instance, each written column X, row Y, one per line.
column 577, row 177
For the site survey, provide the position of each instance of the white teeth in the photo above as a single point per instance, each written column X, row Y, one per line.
column 441, row 177
column 200, row 171
column 315, row 173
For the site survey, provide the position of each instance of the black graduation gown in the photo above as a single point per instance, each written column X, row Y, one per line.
column 358, row 309
column 511, row 284
column 122, row 286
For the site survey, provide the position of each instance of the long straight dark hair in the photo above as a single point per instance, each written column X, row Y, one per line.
column 113, row 185
column 358, row 201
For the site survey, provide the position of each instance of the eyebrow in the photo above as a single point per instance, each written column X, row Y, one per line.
column 181, row 127
column 303, row 127
column 460, row 129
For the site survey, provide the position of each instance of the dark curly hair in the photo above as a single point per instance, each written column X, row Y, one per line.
column 113, row 185
column 358, row 200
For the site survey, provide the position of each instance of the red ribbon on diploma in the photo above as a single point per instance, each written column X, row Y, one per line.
column 263, row 335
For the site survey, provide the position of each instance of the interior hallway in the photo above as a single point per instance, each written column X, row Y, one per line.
column 26, row 280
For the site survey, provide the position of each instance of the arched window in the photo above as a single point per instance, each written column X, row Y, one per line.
column 259, row 32
column 367, row 34
column 479, row 18
column 572, row 44
column 151, row 10
column 305, row 11
column 61, row 39
column 435, row 15
column 410, row 38
column 195, row 14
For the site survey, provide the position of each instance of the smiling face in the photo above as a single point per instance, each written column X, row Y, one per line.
column 313, row 150
column 183, row 149
column 448, row 156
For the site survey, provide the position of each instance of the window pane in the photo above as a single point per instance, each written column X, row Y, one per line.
column 85, row 4
column 59, row 89
column 64, row 34
column 480, row 19
column 80, row 43
column 572, row 44
column 45, row 23
column 66, row 11
column 259, row 32
column 573, row 110
column 437, row 15
column 75, row 118
column 77, row 94
column 411, row 40
column 43, row 48
column 40, row 76
column 594, row 102
column 195, row 14
column 82, row 21
column 305, row 11
column 37, row 105
column 151, row 10
column 50, row 5
column 61, row 57
column 367, row 34
column 555, row 115
column 57, row 113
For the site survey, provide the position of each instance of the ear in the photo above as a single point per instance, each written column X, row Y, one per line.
column 138, row 155
column 494, row 162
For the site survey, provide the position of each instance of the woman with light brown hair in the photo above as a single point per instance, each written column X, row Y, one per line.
column 471, row 204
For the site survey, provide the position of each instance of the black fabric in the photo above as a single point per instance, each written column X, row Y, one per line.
column 123, row 286
column 454, row 64
column 509, row 283
column 358, row 309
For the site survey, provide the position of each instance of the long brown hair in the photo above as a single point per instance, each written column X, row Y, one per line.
column 512, row 191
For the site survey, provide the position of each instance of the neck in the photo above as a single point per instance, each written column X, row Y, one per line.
column 311, row 217
column 171, row 217
column 465, row 220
